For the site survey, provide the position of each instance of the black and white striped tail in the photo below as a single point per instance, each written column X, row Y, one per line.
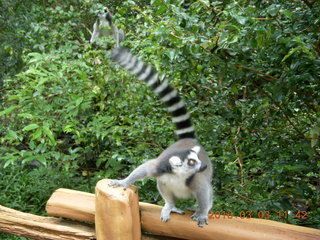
column 167, row 95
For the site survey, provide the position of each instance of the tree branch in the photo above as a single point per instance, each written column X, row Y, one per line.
column 238, row 195
column 309, row 4
column 263, row 75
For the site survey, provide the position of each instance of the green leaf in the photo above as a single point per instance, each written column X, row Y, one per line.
column 314, row 135
column 10, row 160
column 205, row 2
column 240, row 19
column 29, row 159
column 162, row 9
column 25, row 115
column 273, row 9
column 287, row 13
column 49, row 134
column 42, row 159
column 302, row 49
column 30, row 127
column 12, row 135
column 79, row 101
column 37, row 134
column 35, row 57
column 8, row 110
column 82, row 75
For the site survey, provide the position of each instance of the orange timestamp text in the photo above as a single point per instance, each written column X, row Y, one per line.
column 254, row 214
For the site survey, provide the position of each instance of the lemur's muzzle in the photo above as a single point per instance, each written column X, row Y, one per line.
column 203, row 167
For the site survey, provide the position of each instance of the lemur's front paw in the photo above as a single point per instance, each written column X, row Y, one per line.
column 200, row 219
column 165, row 215
column 177, row 210
column 118, row 183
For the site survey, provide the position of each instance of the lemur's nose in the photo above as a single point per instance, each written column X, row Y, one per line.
column 203, row 167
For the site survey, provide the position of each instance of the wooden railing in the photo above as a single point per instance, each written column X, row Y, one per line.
column 119, row 215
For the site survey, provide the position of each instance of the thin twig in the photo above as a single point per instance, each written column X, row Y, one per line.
column 265, row 19
column 240, row 196
column 239, row 158
column 264, row 75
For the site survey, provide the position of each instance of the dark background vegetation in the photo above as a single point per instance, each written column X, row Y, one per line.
column 248, row 70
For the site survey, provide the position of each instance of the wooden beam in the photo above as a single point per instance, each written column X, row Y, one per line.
column 117, row 212
column 44, row 228
column 48, row 228
column 72, row 204
column 181, row 226
column 156, row 237
column 79, row 206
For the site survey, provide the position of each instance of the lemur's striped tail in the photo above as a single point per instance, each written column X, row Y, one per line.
column 165, row 92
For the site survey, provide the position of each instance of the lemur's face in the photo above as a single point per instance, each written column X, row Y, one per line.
column 102, row 26
column 187, row 162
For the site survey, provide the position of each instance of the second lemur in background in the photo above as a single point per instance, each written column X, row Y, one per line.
column 183, row 170
column 100, row 28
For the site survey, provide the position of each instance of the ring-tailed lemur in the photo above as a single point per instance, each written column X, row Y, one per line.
column 100, row 28
column 182, row 170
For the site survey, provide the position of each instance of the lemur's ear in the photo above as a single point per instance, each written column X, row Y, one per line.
column 175, row 161
column 196, row 149
column 95, row 33
column 109, row 18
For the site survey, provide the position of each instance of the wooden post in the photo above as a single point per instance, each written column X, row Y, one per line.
column 117, row 213
column 182, row 226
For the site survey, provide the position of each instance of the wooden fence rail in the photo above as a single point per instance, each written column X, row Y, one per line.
column 118, row 215
column 49, row 228
column 62, row 202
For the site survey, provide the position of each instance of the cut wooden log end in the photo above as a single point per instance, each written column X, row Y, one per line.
column 117, row 212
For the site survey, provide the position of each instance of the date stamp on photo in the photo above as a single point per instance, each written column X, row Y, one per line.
column 255, row 214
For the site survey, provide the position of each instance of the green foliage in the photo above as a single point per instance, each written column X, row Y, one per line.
column 28, row 189
column 11, row 237
column 249, row 71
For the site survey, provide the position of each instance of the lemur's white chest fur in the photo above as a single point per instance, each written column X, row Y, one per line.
column 176, row 184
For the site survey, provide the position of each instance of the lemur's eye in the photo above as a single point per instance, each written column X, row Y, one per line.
column 192, row 162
